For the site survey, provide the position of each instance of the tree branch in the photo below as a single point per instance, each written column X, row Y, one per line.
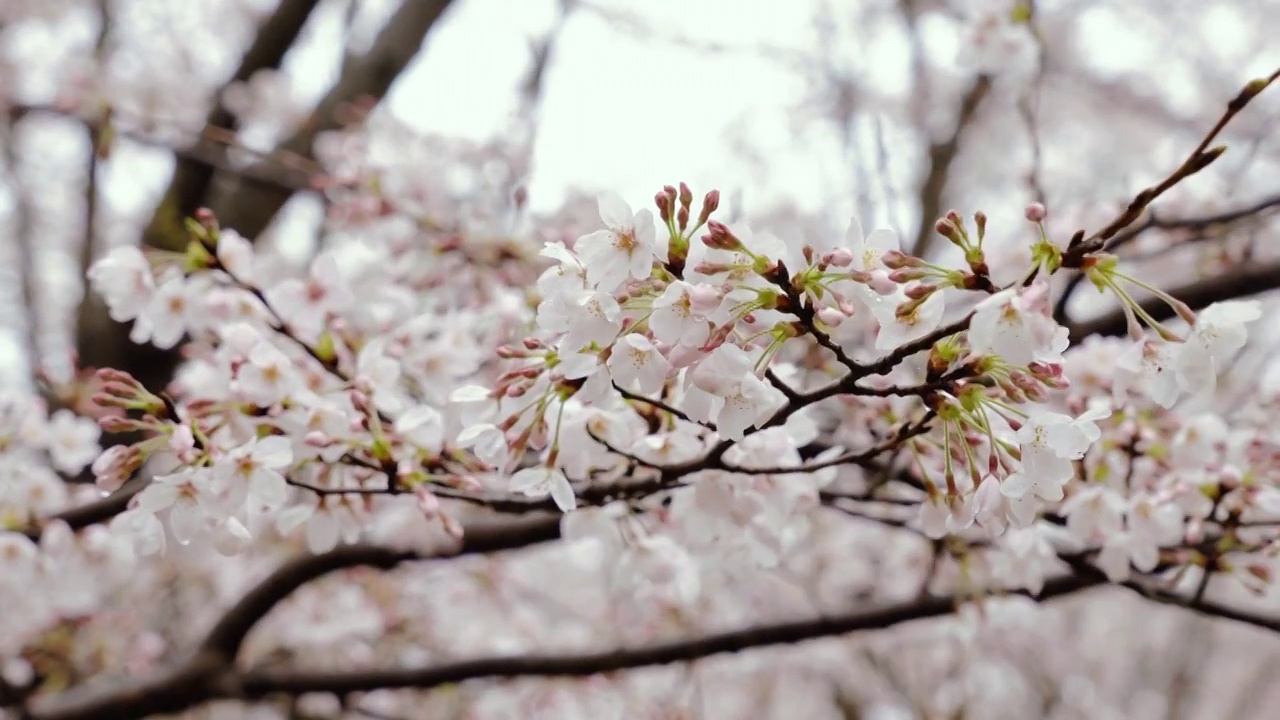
column 210, row 673
column 249, row 206
column 263, row 683
column 1194, row 224
column 1242, row 283
column 192, row 176
column 941, row 156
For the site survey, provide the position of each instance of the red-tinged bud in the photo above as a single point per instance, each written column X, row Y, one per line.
column 515, row 391
column 205, row 217
column 361, row 402
column 840, row 257
column 719, row 236
column 980, row 219
column 710, row 203
column 533, row 343
column 117, row 424
column 664, row 206
column 906, row 275
column 718, row 337
column 896, row 260
column 1260, row 571
column 860, row 276
column 1184, row 310
column 1060, row 382
column 807, row 251
column 993, row 462
column 103, row 401
column 955, row 218
column 1036, row 212
column 920, row 291
column 682, row 218
column 686, row 196
column 506, row 352
column 946, row 228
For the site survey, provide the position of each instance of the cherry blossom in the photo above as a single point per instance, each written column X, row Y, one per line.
column 625, row 249
column 544, row 481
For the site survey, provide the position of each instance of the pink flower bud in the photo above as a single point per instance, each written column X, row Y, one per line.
column 946, row 228
column 830, row 316
column 664, row 206
column 709, row 204
column 896, row 259
column 1260, row 571
column 719, row 236
column 1195, row 531
column 316, row 439
column 686, row 196
column 919, row 291
column 1035, row 212
column 182, row 439
column 840, row 257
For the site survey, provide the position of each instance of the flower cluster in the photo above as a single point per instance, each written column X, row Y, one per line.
column 665, row 354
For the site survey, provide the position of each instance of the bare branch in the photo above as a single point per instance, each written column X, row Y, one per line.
column 193, row 175
column 1239, row 283
column 249, row 206
column 1194, row 224
column 210, row 673
column 941, row 157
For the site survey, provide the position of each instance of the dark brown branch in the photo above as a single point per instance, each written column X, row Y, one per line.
column 225, row 638
column 193, row 175
column 1232, row 284
column 95, row 512
column 1195, row 224
column 1200, row 158
column 265, row 683
column 938, row 170
column 90, row 327
column 248, row 206
column 210, row 673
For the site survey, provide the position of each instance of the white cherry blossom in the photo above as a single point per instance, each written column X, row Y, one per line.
column 624, row 249
column 542, row 481
column 636, row 364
